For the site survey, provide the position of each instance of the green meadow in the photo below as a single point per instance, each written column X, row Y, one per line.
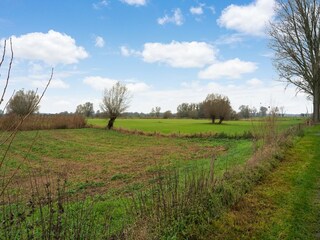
column 190, row 126
column 109, row 176
column 96, row 161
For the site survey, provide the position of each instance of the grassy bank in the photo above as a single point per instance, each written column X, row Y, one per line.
column 287, row 203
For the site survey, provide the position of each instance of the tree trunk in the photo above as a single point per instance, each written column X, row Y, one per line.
column 213, row 119
column 110, row 123
column 221, row 119
column 316, row 104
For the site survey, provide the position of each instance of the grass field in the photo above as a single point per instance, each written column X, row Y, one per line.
column 95, row 160
column 189, row 126
column 112, row 165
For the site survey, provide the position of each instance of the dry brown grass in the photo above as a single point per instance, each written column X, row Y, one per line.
column 9, row 122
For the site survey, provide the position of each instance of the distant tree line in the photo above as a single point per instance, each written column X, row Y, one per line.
column 215, row 107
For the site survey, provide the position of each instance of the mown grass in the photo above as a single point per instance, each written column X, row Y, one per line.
column 189, row 126
column 287, row 204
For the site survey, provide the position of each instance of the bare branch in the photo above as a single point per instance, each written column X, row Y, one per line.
column 9, row 70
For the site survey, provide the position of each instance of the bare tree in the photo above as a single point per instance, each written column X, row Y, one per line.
column 115, row 101
column 217, row 106
column 282, row 111
column 167, row 114
column 245, row 111
column 157, row 110
column 295, row 39
column 263, row 111
column 23, row 103
column 85, row 109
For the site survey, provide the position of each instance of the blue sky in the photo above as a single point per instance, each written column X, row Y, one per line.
column 167, row 52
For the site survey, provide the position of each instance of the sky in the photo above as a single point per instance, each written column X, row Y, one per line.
column 167, row 52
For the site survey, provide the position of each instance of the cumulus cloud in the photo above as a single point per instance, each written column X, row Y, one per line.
column 52, row 48
column 100, row 83
column 137, row 86
column 176, row 18
column 135, row 2
column 179, row 54
column 125, row 51
column 249, row 19
column 99, row 42
column 196, row 10
column 231, row 69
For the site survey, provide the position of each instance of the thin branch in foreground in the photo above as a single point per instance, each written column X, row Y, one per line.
column 9, row 71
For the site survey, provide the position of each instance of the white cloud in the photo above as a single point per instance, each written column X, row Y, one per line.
column 100, row 83
column 55, row 83
column 254, row 82
column 52, row 48
column 249, row 19
column 99, row 42
column 176, row 18
column 125, row 51
column 180, row 54
column 196, row 10
column 135, row 2
column 231, row 69
column 137, row 87
column 100, row 4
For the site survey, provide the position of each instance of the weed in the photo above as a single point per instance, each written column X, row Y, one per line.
column 120, row 176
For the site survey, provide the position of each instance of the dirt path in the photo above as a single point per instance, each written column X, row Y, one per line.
column 286, row 205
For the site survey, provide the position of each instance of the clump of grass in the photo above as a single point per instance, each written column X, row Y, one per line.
column 120, row 176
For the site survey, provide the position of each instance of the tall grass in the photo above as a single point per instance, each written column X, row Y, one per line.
column 42, row 122
column 50, row 214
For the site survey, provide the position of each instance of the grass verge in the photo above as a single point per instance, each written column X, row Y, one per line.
column 286, row 205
